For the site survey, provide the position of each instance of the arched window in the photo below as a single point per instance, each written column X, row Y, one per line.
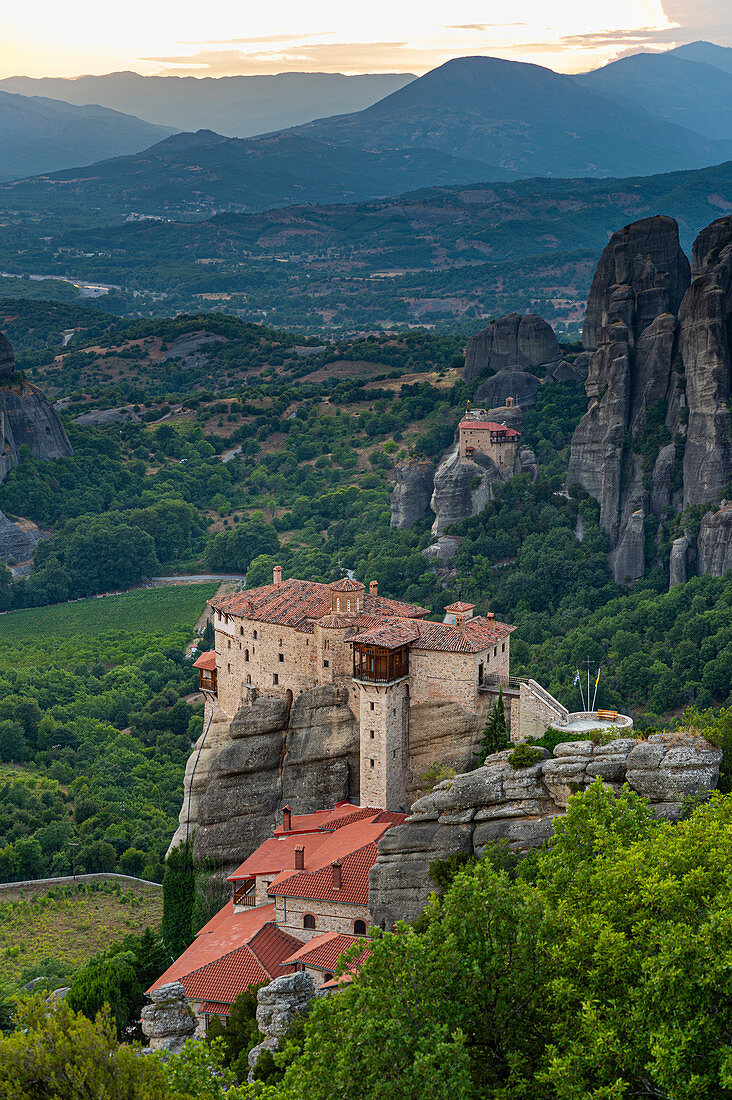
column 327, row 977
column 246, row 654
column 359, row 928
column 249, row 679
column 308, row 921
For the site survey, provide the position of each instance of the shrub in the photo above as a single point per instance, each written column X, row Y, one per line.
column 524, row 756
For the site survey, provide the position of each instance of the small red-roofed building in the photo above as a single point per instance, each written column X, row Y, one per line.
column 479, row 436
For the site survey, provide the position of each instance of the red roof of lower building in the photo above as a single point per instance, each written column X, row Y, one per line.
column 490, row 426
column 323, row 952
column 255, row 963
column 318, row 885
column 206, row 661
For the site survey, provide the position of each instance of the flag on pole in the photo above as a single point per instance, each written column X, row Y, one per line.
column 597, row 681
column 576, row 679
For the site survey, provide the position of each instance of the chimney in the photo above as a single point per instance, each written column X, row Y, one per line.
column 277, row 575
column 490, row 619
column 299, row 858
column 373, row 588
column 287, row 819
column 248, row 608
column 337, row 875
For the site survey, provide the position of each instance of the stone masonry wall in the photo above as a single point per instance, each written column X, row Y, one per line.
column 384, row 726
column 330, row 916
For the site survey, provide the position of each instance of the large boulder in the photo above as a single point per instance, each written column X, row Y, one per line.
column 511, row 341
column 410, row 498
column 462, row 488
column 517, row 806
column 27, row 418
column 16, row 543
column 168, row 1022
column 508, row 382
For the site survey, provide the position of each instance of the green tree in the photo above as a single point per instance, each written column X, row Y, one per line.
column 179, row 884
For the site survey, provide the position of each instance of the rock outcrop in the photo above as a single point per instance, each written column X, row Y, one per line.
column 705, row 319
column 278, row 1005
column 511, row 341
column 169, row 1021
column 499, row 803
column 462, row 488
column 661, row 372
column 16, row 543
column 508, row 382
column 26, row 418
column 241, row 773
column 714, row 544
column 410, row 498
column 679, row 561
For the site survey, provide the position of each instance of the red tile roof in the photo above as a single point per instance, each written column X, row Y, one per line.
column 255, row 963
column 335, row 622
column 278, row 854
column 318, row 819
column 460, row 606
column 347, row 584
column 206, row 661
column 215, row 1008
column 391, row 634
column 318, row 884
column 490, row 425
column 298, row 603
column 323, row 952
column 225, row 932
column 478, row 634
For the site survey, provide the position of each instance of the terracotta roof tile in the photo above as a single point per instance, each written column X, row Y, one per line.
column 335, row 622
column 318, row 884
column 347, row 584
column 225, row 978
column 478, row 634
column 215, row 1008
column 323, row 952
column 490, row 425
column 390, row 634
column 206, row 661
column 460, row 606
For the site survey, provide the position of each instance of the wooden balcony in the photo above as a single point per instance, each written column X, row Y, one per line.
column 378, row 665
column 244, row 893
column 208, row 680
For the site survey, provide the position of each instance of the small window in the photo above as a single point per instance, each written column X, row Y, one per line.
column 241, row 631
column 228, row 668
column 255, row 634
column 281, row 657
column 327, row 977
column 393, row 754
column 275, row 678
column 371, row 706
column 371, row 763
column 229, row 643
column 326, row 664
column 503, row 648
column 371, row 734
column 246, row 654
column 495, row 650
column 359, row 928
column 308, row 921
column 249, row 679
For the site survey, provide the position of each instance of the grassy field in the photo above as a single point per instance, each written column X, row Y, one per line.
column 73, row 633
column 68, row 924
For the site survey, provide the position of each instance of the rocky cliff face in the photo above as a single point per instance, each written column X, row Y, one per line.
column 705, row 320
column 518, row 806
column 26, row 418
column 511, row 341
column 656, row 435
column 462, row 488
column 16, row 544
column 305, row 755
column 410, row 499
column 508, row 382
column 714, row 545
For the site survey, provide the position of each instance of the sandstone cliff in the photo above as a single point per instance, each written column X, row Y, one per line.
column 462, row 488
column 410, row 498
column 16, row 543
column 26, row 418
column 243, row 772
column 518, row 806
column 656, row 436
column 714, row 544
column 511, row 341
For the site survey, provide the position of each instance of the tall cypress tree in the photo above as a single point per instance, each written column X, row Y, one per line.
column 495, row 734
column 179, row 883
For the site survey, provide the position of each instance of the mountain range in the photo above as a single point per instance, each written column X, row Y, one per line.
column 39, row 134
column 472, row 119
column 237, row 106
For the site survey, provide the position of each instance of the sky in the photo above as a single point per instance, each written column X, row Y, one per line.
column 225, row 37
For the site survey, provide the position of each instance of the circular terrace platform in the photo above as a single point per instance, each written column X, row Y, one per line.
column 582, row 721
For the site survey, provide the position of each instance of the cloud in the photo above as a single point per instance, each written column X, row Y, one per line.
column 481, row 26
column 264, row 39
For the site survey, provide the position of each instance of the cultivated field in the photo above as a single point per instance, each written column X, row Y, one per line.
column 81, row 631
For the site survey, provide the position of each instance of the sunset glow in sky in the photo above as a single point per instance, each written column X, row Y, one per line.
column 223, row 37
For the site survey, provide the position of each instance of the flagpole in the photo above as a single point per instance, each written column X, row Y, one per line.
column 588, row 681
column 578, row 680
column 597, row 681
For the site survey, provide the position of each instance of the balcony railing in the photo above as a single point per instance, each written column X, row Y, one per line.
column 380, row 666
column 245, row 894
